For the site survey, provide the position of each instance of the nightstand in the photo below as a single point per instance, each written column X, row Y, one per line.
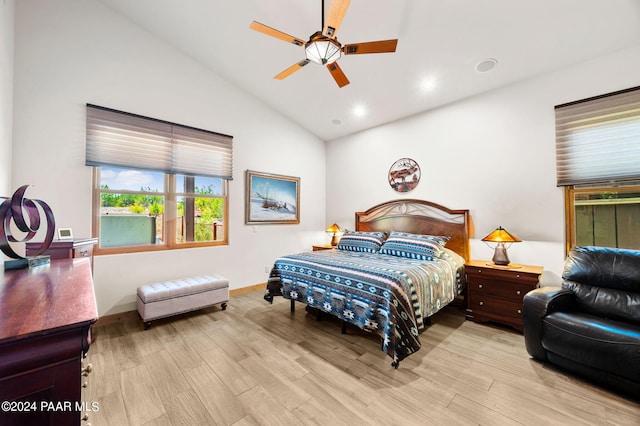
column 318, row 247
column 494, row 292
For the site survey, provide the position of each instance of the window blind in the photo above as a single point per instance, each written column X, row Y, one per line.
column 598, row 139
column 116, row 138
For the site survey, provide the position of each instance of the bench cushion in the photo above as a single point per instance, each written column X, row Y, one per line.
column 180, row 287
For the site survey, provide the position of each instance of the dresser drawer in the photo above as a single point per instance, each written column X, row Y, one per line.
column 85, row 250
column 66, row 249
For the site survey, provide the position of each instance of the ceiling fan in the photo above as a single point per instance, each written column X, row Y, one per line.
column 323, row 47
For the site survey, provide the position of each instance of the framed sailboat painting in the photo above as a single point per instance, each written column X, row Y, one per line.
column 271, row 199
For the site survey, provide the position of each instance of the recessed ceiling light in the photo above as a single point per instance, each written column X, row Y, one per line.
column 428, row 83
column 359, row 111
column 486, row 65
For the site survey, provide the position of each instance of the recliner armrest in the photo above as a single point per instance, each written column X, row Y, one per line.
column 536, row 305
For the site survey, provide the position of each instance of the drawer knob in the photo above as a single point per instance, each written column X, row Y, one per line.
column 481, row 303
column 479, row 285
column 517, row 275
column 86, row 370
column 85, row 384
column 517, row 291
column 84, row 253
column 519, row 311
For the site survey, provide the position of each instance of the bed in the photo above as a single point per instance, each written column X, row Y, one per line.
column 403, row 263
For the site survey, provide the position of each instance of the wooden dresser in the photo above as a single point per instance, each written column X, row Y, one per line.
column 46, row 314
column 495, row 293
column 66, row 249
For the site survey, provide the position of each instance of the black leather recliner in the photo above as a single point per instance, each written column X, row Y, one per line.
column 591, row 325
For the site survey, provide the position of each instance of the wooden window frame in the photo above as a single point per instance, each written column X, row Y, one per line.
column 570, row 192
column 169, row 220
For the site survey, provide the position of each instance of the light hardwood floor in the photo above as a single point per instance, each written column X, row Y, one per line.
column 256, row 363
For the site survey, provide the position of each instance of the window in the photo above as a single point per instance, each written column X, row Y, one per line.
column 598, row 163
column 201, row 208
column 604, row 216
column 156, row 185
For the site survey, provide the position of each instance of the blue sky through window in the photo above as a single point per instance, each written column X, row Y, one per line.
column 132, row 180
column 135, row 180
column 207, row 184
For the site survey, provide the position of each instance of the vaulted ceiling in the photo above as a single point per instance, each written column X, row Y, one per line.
column 441, row 43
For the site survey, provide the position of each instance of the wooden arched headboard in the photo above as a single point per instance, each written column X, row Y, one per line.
column 419, row 217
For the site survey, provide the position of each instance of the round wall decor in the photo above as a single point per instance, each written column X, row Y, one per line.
column 404, row 175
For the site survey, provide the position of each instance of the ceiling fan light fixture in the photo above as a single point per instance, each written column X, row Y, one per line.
column 322, row 50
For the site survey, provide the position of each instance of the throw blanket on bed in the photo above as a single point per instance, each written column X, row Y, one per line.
column 385, row 294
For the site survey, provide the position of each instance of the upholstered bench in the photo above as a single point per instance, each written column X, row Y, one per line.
column 164, row 299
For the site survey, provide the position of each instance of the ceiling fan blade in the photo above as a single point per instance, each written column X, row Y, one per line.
column 293, row 68
column 382, row 46
column 337, row 74
column 337, row 10
column 261, row 28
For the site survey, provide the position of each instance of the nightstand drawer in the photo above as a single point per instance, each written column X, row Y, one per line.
column 511, row 275
column 508, row 290
column 499, row 308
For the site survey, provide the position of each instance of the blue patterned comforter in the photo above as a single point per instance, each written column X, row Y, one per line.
column 381, row 293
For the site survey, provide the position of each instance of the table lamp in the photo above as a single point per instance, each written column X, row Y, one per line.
column 501, row 237
column 334, row 230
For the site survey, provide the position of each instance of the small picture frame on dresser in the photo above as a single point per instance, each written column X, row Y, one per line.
column 65, row 234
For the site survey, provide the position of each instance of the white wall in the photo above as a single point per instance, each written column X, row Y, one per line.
column 69, row 53
column 6, row 94
column 493, row 154
column 6, row 97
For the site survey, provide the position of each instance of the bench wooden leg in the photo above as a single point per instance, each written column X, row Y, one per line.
column 147, row 325
column 224, row 306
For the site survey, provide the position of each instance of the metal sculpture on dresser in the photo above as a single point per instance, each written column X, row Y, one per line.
column 24, row 214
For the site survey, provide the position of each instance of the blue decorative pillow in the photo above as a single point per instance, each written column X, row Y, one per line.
column 414, row 246
column 369, row 242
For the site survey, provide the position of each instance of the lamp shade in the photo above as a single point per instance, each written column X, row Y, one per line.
column 500, row 235
column 331, row 229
